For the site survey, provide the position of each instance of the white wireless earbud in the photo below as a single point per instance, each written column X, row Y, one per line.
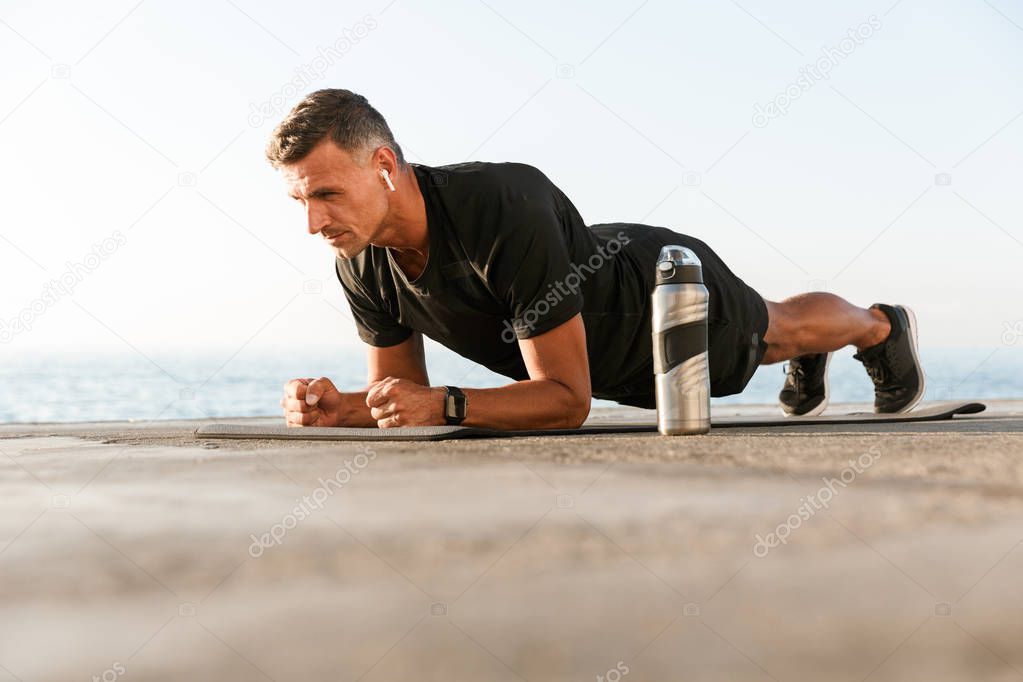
column 387, row 178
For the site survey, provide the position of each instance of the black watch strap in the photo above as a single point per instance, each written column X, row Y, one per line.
column 455, row 404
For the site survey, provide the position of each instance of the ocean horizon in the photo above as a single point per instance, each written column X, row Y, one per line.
column 103, row 385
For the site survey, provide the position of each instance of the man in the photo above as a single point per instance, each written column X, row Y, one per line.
column 493, row 261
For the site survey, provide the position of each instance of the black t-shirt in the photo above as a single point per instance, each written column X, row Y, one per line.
column 510, row 258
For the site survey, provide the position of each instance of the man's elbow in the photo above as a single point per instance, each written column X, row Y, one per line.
column 576, row 411
column 580, row 416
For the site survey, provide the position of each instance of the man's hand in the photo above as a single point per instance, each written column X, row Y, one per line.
column 400, row 402
column 311, row 403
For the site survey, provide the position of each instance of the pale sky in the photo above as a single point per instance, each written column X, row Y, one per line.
column 895, row 179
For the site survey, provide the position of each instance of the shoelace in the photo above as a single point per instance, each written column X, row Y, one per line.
column 877, row 373
column 794, row 375
column 885, row 367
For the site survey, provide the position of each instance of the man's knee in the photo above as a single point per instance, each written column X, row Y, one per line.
column 794, row 326
column 785, row 332
column 777, row 322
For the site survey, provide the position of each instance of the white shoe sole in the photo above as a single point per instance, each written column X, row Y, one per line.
column 914, row 347
column 827, row 395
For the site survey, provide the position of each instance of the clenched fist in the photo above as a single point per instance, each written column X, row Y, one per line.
column 401, row 402
column 311, row 403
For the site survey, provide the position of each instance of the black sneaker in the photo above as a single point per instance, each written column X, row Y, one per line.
column 894, row 364
column 805, row 393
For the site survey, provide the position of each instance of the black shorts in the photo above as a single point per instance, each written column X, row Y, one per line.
column 736, row 325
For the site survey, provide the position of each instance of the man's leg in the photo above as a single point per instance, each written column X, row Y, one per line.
column 819, row 323
column 805, row 329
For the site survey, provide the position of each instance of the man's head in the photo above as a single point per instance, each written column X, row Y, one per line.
column 333, row 149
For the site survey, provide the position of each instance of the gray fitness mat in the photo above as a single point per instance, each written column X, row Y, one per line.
column 931, row 412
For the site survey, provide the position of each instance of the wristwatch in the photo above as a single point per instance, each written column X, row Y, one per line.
column 454, row 405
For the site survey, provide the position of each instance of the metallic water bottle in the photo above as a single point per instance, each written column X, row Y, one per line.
column 681, row 370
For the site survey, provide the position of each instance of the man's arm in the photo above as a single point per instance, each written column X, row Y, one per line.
column 406, row 360
column 556, row 395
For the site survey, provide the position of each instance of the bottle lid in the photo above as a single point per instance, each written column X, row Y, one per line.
column 678, row 265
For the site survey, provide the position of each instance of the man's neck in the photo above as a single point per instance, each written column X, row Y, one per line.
column 407, row 235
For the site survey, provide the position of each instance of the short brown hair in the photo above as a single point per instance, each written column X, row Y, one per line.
column 345, row 116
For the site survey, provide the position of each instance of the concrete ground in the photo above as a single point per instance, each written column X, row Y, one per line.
column 886, row 552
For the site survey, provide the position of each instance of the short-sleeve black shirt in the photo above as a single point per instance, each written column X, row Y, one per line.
column 510, row 258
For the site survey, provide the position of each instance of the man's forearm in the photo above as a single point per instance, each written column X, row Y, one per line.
column 530, row 404
column 354, row 411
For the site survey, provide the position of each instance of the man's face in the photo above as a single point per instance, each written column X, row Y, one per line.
column 344, row 202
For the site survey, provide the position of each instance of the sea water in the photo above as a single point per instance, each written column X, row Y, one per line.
column 129, row 385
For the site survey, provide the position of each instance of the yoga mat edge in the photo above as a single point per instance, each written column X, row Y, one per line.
column 933, row 412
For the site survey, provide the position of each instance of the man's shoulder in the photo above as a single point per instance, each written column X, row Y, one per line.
column 479, row 178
